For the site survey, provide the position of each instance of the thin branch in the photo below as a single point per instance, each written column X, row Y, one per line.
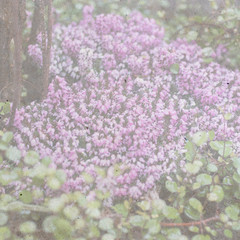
column 204, row 222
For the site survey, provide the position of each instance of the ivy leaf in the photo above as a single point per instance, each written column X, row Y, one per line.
column 3, row 219
column 170, row 212
column 144, row 205
column 106, row 224
column 190, row 151
column 228, row 116
column 200, row 138
column 171, row 186
column 174, row 68
column 196, row 204
column 192, row 35
column 137, row 220
column 31, row 158
column 25, row 196
column 28, row 227
column 7, row 137
column 191, row 213
column 13, row 154
column 216, row 194
column 201, row 237
column 228, row 233
column 211, row 135
column 204, row 179
column 108, row 236
column 192, row 168
column 153, row 226
column 212, row 167
column 5, row 108
column 121, row 209
column 232, row 212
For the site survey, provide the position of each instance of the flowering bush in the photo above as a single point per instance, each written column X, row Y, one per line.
column 200, row 202
column 134, row 99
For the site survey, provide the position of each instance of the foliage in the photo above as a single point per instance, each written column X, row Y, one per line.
column 212, row 24
column 101, row 67
column 190, row 205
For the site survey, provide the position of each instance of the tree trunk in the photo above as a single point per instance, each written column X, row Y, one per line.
column 5, row 38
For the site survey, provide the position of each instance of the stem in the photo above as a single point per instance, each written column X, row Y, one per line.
column 163, row 224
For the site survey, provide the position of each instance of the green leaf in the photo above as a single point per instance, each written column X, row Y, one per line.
column 153, row 226
column 228, row 116
column 200, row 138
column 170, row 212
column 28, row 227
column 174, row 68
column 171, row 186
column 5, row 108
column 55, row 204
column 108, row 236
column 61, row 175
column 196, row 185
column 192, row 35
column 158, row 205
column 48, row 224
column 232, row 212
column 5, row 233
column 7, row 137
column 212, row 167
column 191, row 213
column 31, row 158
column 192, row 168
column 3, row 218
column 211, row 135
column 236, row 162
column 190, row 151
column 121, row 209
column 227, row 181
column 53, row 183
column 106, row 224
column 46, row 161
column 216, row 194
column 144, row 205
column 87, row 177
column 204, row 179
column 236, row 177
column 216, row 145
column 228, row 233
column 227, row 151
column 193, row 229
column 201, row 237
column 7, row 177
column 71, row 212
column 63, row 228
column 25, row 196
column 93, row 212
column 13, row 154
column 137, row 220
column 196, row 204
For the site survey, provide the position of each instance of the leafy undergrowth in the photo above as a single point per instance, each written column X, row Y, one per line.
column 200, row 201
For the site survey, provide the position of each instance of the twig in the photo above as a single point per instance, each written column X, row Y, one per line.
column 204, row 222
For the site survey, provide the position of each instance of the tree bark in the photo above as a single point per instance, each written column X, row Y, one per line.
column 5, row 38
column 17, row 37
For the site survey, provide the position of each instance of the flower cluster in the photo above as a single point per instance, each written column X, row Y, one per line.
column 134, row 99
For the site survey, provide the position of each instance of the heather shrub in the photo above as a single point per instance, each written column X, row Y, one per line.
column 120, row 94
column 201, row 201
